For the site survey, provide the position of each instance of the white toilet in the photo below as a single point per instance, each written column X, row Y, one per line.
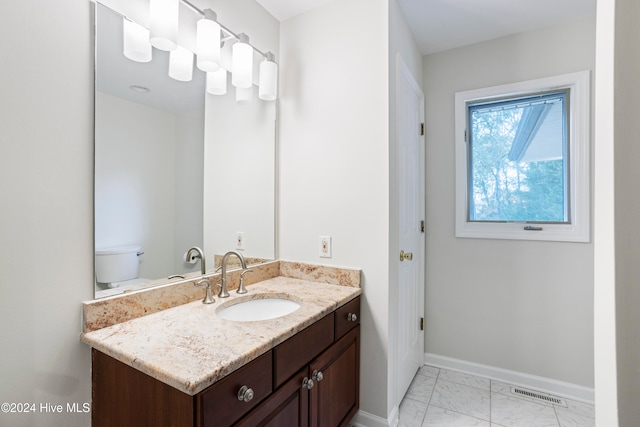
column 117, row 267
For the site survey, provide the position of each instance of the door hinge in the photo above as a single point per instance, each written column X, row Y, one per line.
column 421, row 129
column 422, row 226
column 422, row 323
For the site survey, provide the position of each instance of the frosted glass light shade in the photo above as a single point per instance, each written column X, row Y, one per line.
column 208, row 44
column 164, row 24
column 136, row 44
column 242, row 63
column 217, row 82
column 181, row 64
column 244, row 95
column 268, row 82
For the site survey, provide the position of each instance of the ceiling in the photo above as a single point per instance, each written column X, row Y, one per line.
column 285, row 9
column 439, row 25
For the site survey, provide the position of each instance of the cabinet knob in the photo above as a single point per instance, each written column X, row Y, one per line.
column 307, row 383
column 317, row 375
column 352, row 317
column 245, row 394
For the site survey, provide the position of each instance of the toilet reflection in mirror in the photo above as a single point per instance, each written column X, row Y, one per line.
column 117, row 270
column 175, row 166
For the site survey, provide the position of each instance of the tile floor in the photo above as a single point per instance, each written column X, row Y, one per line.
column 444, row 398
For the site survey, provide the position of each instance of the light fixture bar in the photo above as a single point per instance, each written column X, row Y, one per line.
column 222, row 27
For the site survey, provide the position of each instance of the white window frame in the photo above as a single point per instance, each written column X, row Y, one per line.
column 579, row 227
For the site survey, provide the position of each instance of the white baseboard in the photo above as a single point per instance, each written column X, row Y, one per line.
column 548, row 385
column 365, row 419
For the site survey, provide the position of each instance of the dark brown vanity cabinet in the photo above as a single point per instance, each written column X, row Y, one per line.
column 324, row 393
column 311, row 379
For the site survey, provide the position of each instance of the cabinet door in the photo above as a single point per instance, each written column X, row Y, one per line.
column 334, row 399
column 287, row 407
column 123, row 396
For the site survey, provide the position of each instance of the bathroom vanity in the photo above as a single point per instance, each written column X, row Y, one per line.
column 185, row 366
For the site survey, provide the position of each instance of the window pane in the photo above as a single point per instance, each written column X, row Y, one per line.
column 518, row 159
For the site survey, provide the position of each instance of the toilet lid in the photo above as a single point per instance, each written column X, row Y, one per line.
column 114, row 250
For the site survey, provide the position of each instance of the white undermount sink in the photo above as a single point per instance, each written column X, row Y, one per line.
column 258, row 309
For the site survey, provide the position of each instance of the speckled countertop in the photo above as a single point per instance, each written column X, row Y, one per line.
column 190, row 348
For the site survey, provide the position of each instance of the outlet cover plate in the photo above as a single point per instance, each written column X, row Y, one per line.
column 324, row 246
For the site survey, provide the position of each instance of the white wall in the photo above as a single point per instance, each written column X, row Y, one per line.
column 239, row 180
column 46, row 215
column 188, row 188
column 334, row 160
column 134, row 167
column 517, row 305
column 239, row 153
column 148, row 182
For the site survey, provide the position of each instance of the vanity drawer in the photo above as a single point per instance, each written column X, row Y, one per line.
column 298, row 350
column 347, row 317
column 219, row 404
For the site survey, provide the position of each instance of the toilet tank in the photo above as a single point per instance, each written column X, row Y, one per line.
column 117, row 264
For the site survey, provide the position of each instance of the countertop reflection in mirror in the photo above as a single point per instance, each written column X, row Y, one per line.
column 175, row 167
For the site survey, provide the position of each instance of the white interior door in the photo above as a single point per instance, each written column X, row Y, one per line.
column 411, row 198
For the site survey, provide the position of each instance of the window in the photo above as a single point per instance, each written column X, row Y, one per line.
column 522, row 160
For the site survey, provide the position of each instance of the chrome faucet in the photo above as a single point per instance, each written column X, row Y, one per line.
column 223, row 281
column 199, row 255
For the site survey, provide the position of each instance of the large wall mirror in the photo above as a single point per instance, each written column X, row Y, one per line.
column 177, row 167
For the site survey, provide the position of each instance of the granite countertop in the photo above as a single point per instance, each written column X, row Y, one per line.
column 189, row 348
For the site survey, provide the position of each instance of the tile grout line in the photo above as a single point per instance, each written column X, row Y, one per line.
column 460, row 413
column 555, row 412
column 490, row 403
column 430, row 396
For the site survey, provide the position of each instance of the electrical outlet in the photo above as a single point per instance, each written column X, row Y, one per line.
column 324, row 246
column 240, row 240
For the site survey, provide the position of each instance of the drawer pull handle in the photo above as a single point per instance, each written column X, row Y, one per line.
column 307, row 383
column 317, row 375
column 352, row 317
column 245, row 394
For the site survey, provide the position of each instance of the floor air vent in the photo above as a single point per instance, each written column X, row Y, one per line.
column 538, row 396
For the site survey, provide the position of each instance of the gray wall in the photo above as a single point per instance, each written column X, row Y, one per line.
column 627, row 209
column 46, row 214
column 517, row 305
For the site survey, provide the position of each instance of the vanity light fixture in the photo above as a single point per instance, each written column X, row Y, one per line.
column 136, row 44
column 217, row 82
column 210, row 37
column 268, row 81
column 244, row 95
column 163, row 16
column 208, row 42
column 242, row 63
column 181, row 64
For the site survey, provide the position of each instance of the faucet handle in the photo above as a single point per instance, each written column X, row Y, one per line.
column 208, row 299
column 241, row 287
